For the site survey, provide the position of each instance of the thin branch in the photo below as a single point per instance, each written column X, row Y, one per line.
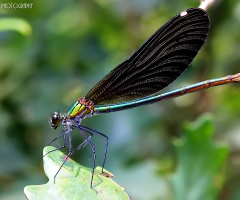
column 206, row 4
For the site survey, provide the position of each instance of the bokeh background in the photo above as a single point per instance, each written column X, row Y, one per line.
column 55, row 53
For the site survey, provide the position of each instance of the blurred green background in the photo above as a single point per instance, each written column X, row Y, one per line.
column 55, row 53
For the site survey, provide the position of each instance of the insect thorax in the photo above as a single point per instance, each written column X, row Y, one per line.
column 81, row 109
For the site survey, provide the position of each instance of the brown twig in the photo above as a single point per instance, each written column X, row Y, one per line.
column 205, row 4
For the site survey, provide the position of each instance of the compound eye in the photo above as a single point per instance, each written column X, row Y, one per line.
column 55, row 120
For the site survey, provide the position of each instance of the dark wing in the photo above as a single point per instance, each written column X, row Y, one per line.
column 157, row 63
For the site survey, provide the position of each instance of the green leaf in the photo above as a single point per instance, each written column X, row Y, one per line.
column 16, row 24
column 199, row 172
column 73, row 181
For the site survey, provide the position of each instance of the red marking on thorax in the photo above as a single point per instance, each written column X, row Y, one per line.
column 88, row 104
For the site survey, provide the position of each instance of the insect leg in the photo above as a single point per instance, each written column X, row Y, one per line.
column 106, row 137
column 84, row 143
column 94, row 153
column 64, row 143
column 69, row 150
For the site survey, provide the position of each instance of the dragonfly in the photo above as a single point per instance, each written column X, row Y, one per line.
column 135, row 82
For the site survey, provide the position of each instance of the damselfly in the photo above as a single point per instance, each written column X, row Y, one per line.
column 156, row 64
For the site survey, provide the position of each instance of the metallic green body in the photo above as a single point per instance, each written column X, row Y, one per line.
column 83, row 111
column 78, row 109
column 168, row 95
column 73, row 108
